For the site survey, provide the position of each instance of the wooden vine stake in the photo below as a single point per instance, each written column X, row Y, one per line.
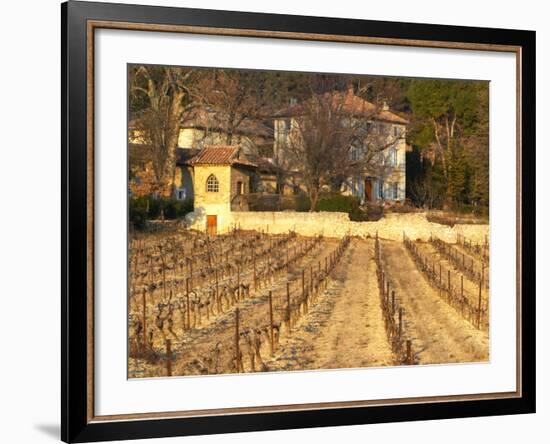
column 479, row 306
column 400, row 331
column 237, row 351
column 216, row 293
column 168, row 357
column 191, row 272
column 254, row 264
column 462, row 294
column 409, row 352
column 188, row 303
column 304, row 289
column 271, row 323
column 288, row 305
column 449, row 284
column 144, row 320
column 238, row 283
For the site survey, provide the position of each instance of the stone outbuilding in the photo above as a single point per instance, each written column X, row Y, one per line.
column 222, row 176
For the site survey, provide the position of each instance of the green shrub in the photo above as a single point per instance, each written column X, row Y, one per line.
column 137, row 212
column 302, row 203
column 155, row 208
column 337, row 202
column 142, row 209
column 351, row 205
column 177, row 209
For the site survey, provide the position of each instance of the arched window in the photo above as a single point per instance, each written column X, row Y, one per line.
column 212, row 184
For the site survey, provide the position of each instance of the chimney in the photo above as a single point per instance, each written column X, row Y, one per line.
column 385, row 106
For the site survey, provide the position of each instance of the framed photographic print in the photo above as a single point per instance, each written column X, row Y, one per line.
column 276, row 221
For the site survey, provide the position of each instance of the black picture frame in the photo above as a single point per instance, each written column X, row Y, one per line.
column 76, row 424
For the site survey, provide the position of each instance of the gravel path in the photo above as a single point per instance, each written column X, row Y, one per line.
column 346, row 328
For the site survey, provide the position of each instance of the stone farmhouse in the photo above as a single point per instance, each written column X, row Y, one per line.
column 387, row 180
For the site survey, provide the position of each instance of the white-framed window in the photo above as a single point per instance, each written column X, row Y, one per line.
column 212, row 184
column 396, row 131
column 392, row 158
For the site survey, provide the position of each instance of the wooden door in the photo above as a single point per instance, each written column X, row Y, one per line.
column 211, row 225
column 368, row 190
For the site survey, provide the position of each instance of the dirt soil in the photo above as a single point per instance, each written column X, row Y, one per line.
column 211, row 345
column 346, row 328
column 438, row 332
column 471, row 288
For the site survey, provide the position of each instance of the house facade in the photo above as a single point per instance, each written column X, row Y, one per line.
column 221, row 176
column 380, row 147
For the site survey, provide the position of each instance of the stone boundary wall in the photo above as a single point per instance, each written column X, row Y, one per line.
column 331, row 224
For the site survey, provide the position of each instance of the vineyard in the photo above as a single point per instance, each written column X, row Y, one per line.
column 251, row 301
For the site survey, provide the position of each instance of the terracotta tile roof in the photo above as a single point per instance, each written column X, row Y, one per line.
column 391, row 117
column 350, row 104
column 221, row 155
column 215, row 154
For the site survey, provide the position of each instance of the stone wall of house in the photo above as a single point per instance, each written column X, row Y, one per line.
column 209, row 203
column 392, row 226
column 242, row 175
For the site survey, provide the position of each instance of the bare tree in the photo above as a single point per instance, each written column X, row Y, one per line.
column 164, row 95
column 317, row 139
column 333, row 137
column 233, row 96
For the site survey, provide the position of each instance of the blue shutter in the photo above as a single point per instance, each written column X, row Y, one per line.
column 361, row 190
